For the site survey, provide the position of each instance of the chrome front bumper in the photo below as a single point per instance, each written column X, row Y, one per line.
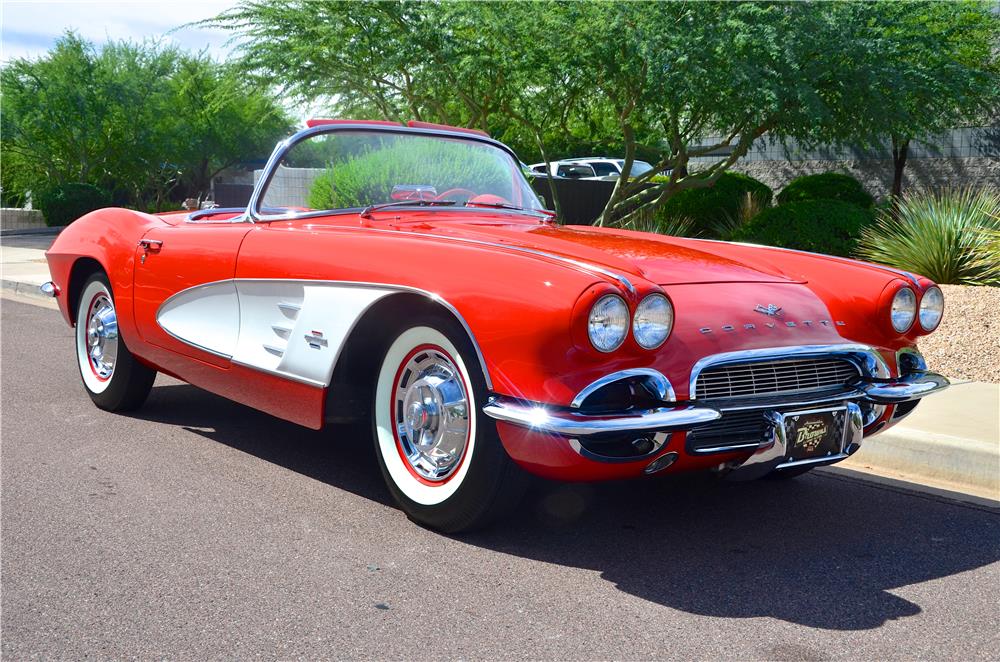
column 647, row 426
column 683, row 416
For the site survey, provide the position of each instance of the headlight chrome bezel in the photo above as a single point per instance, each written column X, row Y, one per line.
column 903, row 311
column 607, row 300
column 641, row 310
column 931, row 292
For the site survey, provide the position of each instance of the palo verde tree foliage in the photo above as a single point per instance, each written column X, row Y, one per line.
column 668, row 80
column 135, row 120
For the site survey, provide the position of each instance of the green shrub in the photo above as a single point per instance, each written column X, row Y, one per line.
column 950, row 236
column 707, row 207
column 820, row 226
column 826, row 186
column 369, row 177
column 64, row 203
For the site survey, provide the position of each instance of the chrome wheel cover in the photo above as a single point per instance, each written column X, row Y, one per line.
column 102, row 336
column 431, row 414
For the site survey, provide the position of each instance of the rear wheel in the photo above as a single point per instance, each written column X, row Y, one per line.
column 114, row 379
column 440, row 456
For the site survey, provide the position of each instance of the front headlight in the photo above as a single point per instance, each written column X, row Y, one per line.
column 904, row 310
column 608, row 323
column 653, row 320
column 931, row 308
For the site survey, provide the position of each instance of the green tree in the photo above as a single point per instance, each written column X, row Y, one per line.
column 654, row 78
column 136, row 120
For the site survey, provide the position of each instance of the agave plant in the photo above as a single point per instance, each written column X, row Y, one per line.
column 949, row 236
column 727, row 227
column 648, row 220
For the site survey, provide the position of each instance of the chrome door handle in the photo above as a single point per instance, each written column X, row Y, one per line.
column 150, row 244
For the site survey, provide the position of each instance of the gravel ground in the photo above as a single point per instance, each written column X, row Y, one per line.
column 967, row 344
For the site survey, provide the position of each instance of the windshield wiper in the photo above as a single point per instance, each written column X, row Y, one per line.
column 367, row 211
column 504, row 205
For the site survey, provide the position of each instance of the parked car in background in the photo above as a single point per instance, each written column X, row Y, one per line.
column 608, row 168
column 408, row 276
column 565, row 170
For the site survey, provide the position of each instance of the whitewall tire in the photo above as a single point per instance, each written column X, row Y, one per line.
column 440, row 456
column 113, row 378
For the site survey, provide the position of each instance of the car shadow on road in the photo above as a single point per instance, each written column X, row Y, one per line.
column 821, row 551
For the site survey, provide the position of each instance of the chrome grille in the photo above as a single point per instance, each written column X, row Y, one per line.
column 768, row 378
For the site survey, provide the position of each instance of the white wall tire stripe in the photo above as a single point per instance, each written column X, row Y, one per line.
column 93, row 383
column 413, row 489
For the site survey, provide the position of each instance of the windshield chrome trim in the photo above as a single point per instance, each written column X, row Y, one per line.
column 285, row 145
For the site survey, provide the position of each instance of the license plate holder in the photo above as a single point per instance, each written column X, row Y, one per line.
column 814, row 433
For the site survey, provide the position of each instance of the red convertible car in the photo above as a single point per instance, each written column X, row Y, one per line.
column 409, row 276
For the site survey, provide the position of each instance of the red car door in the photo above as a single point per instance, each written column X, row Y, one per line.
column 169, row 262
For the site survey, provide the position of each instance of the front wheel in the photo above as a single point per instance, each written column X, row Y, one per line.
column 440, row 456
column 114, row 379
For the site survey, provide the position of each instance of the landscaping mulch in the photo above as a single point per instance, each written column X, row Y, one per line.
column 967, row 344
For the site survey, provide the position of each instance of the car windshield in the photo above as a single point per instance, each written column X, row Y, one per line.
column 638, row 167
column 351, row 169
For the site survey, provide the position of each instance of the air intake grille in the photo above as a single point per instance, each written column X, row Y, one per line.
column 770, row 378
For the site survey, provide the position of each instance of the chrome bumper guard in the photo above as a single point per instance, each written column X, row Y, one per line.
column 912, row 386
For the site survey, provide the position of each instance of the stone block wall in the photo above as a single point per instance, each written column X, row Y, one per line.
column 21, row 219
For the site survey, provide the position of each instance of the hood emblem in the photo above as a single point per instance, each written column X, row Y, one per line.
column 770, row 309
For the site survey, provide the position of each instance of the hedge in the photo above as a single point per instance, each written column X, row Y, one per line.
column 707, row 207
column 826, row 186
column 64, row 203
column 819, row 226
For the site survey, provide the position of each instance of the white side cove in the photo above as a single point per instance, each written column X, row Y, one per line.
column 291, row 328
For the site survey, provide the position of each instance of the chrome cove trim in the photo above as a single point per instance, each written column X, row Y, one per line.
column 349, row 284
column 865, row 357
column 573, row 424
column 663, row 389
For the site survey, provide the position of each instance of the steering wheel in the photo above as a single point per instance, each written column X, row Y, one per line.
column 464, row 193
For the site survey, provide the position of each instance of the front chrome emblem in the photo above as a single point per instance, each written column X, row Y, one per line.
column 769, row 309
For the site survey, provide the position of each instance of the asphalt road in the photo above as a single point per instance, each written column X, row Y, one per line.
column 198, row 528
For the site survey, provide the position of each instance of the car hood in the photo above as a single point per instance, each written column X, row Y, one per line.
column 657, row 258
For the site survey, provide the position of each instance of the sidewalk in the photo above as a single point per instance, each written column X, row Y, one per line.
column 951, row 441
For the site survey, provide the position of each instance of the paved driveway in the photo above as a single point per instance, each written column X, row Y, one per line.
column 198, row 528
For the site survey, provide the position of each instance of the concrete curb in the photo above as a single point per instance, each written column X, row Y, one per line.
column 39, row 231
column 22, row 289
column 932, row 458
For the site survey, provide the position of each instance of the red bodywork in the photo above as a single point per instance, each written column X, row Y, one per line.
column 526, row 309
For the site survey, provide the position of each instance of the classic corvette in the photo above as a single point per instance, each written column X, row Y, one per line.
column 409, row 276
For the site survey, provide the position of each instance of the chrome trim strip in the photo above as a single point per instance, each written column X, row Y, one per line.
column 571, row 424
column 833, row 397
column 828, row 459
column 397, row 288
column 664, row 389
column 867, row 358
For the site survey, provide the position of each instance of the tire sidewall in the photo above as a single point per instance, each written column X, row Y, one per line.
column 94, row 287
column 487, row 483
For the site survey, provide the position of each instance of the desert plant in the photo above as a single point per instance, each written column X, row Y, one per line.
column 821, row 226
column 826, row 186
column 646, row 220
column 706, row 207
column 948, row 236
column 730, row 224
column 63, row 204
